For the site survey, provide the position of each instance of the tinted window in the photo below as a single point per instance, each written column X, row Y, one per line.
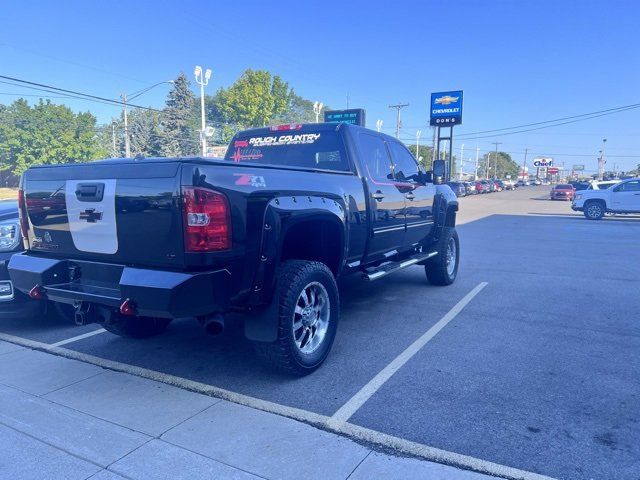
column 305, row 149
column 374, row 157
column 405, row 166
column 629, row 187
column 564, row 187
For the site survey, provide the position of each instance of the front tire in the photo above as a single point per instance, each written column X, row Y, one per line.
column 135, row 327
column 442, row 269
column 594, row 210
column 308, row 314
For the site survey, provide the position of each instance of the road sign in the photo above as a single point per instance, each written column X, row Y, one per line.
column 543, row 162
column 553, row 170
column 354, row 116
column 577, row 168
column 446, row 109
column 542, row 170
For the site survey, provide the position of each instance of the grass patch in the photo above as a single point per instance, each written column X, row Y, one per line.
column 8, row 193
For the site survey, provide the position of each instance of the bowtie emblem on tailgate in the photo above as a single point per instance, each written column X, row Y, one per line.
column 90, row 215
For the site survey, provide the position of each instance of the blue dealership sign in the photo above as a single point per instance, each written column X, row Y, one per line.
column 446, row 109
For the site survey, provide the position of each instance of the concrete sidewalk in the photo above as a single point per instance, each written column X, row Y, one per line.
column 61, row 418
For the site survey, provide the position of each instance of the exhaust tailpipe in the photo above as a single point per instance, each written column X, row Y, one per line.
column 213, row 324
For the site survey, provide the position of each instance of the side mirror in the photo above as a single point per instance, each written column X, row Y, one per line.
column 439, row 170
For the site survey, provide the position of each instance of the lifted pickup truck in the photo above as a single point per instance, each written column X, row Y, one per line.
column 135, row 243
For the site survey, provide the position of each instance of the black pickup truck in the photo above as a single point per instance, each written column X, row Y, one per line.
column 135, row 243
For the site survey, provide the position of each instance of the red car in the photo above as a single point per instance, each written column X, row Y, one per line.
column 481, row 187
column 562, row 191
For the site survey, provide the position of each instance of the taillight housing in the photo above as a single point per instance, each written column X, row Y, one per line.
column 22, row 211
column 207, row 220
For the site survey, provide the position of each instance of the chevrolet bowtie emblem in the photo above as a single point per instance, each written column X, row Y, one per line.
column 446, row 100
column 90, row 215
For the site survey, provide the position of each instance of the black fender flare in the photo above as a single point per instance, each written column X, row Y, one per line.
column 281, row 215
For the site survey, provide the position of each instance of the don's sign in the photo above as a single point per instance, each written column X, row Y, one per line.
column 354, row 116
column 446, row 109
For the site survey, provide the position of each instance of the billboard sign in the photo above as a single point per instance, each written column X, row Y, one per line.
column 354, row 116
column 446, row 109
column 553, row 170
column 578, row 168
column 543, row 162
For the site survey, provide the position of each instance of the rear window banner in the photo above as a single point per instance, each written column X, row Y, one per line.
column 274, row 141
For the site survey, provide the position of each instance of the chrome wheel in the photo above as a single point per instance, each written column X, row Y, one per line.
column 452, row 254
column 311, row 317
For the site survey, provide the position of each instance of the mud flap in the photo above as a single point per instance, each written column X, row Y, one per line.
column 262, row 325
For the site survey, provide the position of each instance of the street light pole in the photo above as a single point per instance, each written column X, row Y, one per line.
column 495, row 172
column 202, row 79
column 378, row 125
column 317, row 109
column 475, row 177
column 418, row 133
column 460, row 163
column 601, row 161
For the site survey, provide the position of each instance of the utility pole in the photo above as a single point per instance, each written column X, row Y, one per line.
column 317, row 108
column 202, row 79
column 460, row 162
column 127, row 146
column 524, row 165
column 113, row 138
column 398, row 107
column 495, row 172
column 418, row 133
column 475, row 176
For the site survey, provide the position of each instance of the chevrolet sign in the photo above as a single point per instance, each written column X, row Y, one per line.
column 446, row 109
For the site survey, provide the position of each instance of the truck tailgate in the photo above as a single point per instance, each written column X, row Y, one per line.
column 125, row 212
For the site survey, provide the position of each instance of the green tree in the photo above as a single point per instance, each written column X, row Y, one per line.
column 254, row 99
column 45, row 134
column 178, row 137
column 505, row 165
column 145, row 133
column 426, row 152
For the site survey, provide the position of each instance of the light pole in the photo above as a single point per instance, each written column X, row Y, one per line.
column 495, row 172
column 378, row 125
column 317, row 109
column 601, row 161
column 460, row 163
column 202, row 79
column 125, row 98
column 418, row 133
column 475, row 177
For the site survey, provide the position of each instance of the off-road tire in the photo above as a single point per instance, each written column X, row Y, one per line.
column 437, row 267
column 594, row 210
column 135, row 327
column 283, row 354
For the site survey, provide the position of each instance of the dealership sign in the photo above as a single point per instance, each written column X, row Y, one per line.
column 543, row 162
column 355, row 116
column 446, row 109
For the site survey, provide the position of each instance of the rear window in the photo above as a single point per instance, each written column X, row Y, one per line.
column 564, row 187
column 314, row 150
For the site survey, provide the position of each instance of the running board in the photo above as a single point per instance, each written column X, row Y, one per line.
column 388, row 268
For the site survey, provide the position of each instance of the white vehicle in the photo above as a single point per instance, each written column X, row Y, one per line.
column 622, row 197
column 602, row 185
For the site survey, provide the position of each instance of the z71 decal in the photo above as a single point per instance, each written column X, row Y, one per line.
column 250, row 180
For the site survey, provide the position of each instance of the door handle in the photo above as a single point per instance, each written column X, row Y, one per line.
column 90, row 192
column 409, row 196
column 378, row 195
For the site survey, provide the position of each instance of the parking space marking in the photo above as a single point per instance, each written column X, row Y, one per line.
column 79, row 337
column 365, row 393
column 355, row 432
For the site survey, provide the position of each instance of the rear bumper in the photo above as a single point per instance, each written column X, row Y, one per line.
column 154, row 293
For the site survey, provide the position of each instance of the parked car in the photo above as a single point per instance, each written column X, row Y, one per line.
column 520, row 183
column 580, row 185
column 623, row 197
column 499, row 185
column 12, row 303
column 264, row 231
column 458, row 188
column 480, row 187
column 491, row 186
column 536, row 182
column 508, row 184
column 470, row 187
column 562, row 191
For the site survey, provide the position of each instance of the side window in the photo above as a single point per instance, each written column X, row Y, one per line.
column 406, row 168
column 375, row 158
column 633, row 186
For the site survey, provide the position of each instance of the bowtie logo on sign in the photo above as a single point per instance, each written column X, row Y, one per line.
column 446, row 109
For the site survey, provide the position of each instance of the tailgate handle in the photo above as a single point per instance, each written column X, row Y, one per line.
column 90, row 192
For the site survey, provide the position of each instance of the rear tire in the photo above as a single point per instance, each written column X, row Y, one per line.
column 442, row 269
column 594, row 210
column 308, row 314
column 135, row 327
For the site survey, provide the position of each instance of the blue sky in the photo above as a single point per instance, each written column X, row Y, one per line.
column 518, row 62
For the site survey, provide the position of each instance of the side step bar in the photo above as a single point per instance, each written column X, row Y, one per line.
column 391, row 267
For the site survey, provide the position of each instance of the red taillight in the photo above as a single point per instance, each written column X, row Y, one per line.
column 22, row 210
column 207, row 220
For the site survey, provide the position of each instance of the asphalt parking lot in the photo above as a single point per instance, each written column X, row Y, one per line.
column 539, row 371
